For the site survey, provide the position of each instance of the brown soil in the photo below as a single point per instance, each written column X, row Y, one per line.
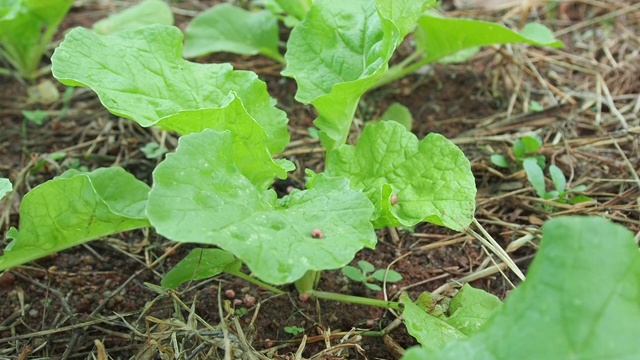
column 94, row 300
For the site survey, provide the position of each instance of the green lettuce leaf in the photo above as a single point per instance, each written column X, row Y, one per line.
column 199, row 195
column 140, row 75
column 27, row 28
column 145, row 13
column 232, row 29
column 340, row 50
column 407, row 180
column 75, row 208
column 580, row 300
column 295, row 9
column 249, row 140
column 437, row 37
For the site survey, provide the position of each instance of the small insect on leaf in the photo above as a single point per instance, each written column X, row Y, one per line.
column 394, row 199
column 317, row 233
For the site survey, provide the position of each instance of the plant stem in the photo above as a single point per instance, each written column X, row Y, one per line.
column 276, row 56
column 406, row 67
column 308, row 282
column 256, row 282
column 355, row 299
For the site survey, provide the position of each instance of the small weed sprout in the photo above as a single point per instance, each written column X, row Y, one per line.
column 366, row 273
column 293, row 330
column 523, row 148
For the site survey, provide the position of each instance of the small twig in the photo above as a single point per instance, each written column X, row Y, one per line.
column 489, row 242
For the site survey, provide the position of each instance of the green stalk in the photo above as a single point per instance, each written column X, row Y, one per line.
column 255, row 281
column 355, row 299
column 308, row 282
column 275, row 56
column 404, row 68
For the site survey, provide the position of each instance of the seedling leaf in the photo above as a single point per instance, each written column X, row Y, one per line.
column 431, row 178
column 499, row 160
column 535, row 176
column 199, row 264
column 229, row 28
column 140, row 75
column 366, row 266
column 531, row 144
column 374, row 287
column 75, row 208
column 580, row 300
column 353, row 273
column 559, row 181
column 145, row 13
column 437, row 37
column 392, row 276
column 199, row 195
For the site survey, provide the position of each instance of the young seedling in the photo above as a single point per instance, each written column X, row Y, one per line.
column 293, row 330
column 523, row 148
column 367, row 274
column 560, row 193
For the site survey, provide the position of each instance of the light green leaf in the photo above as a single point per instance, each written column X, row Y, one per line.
column 141, row 75
column 437, row 37
column 249, row 140
column 399, row 113
column 580, row 300
column 352, row 273
column 199, row 264
column 295, row 8
column 404, row 14
column 391, row 275
column 499, row 160
column 5, row 187
column 27, row 28
column 340, row 50
column 366, row 266
column 430, row 331
column 558, row 178
column 145, row 13
column 232, row 29
column 535, row 176
column 471, row 308
column 75, row 208
column 531, row 143
column 431, row 179
column 200, row 196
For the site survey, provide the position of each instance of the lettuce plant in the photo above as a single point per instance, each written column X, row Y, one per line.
column 215, row 188
column 580, row 300
column 232, row 29
column 27, row 28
